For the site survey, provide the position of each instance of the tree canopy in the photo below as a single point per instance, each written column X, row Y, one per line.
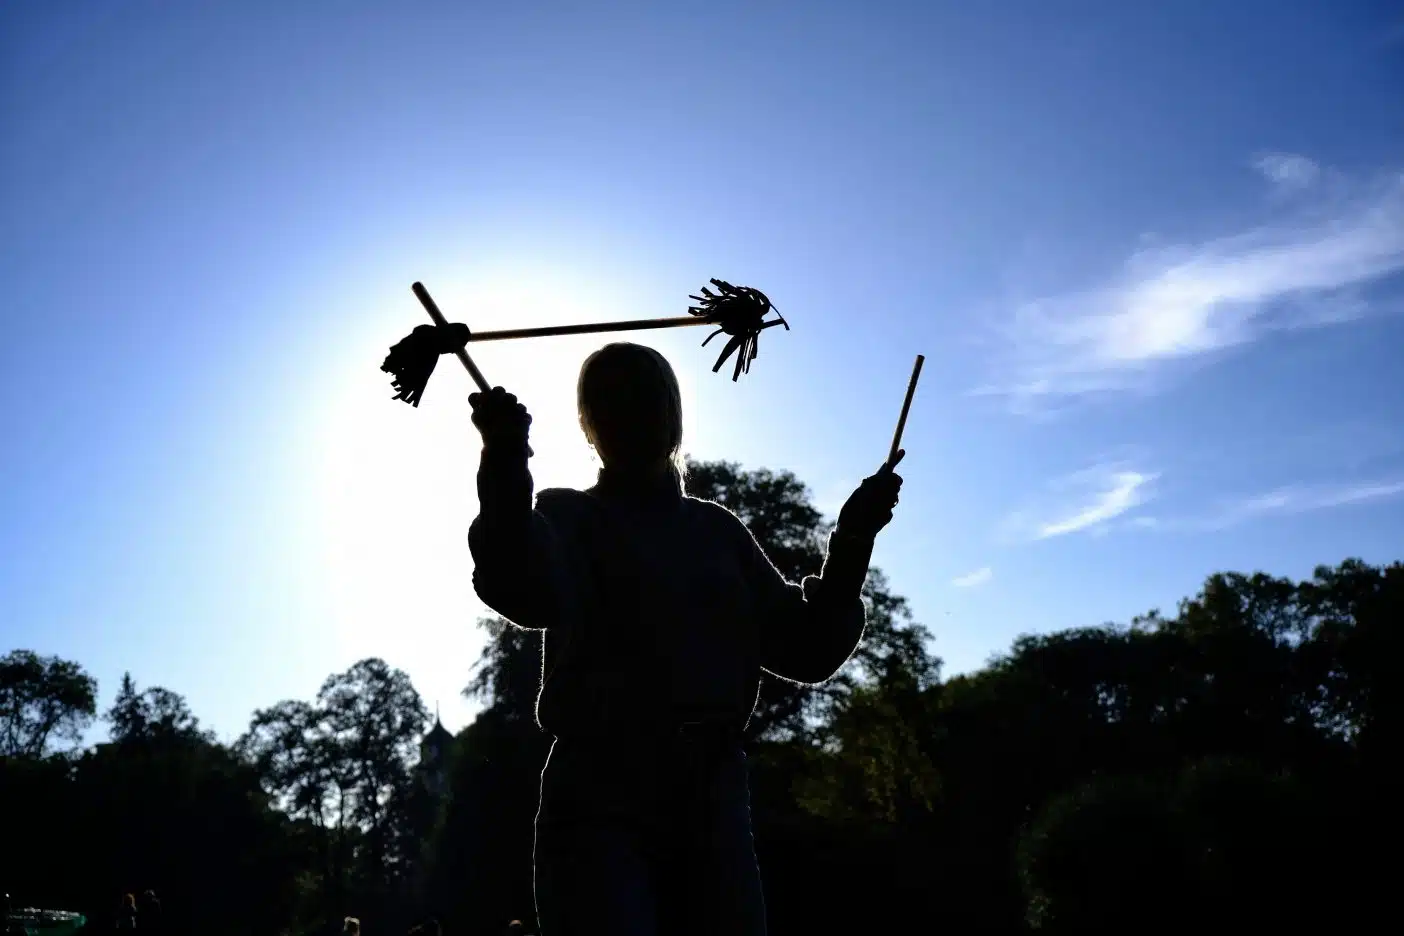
column 43, row 701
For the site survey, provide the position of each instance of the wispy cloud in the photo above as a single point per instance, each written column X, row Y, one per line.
column 1283, row 501
column 1083, row 502
column 1123, row 491
column 1297, row 499
column 974, row 579
column 1174, row 303
column 1287, row 169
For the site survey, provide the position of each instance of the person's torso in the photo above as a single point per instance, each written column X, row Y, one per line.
column 661, row 621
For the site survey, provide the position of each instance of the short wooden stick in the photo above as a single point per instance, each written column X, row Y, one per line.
column 432, row 308
column 906, row 406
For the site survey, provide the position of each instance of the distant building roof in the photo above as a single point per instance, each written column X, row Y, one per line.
column 438, row 736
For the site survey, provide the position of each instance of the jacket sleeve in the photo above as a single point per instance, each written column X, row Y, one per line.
column 809, row 630
column 517, row 550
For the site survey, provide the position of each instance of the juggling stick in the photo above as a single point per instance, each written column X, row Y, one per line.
column 551, row 331
column 906, row 406
column 739, row 311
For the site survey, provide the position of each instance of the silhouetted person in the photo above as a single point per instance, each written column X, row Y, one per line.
column 351, row 926
column 149, row 912
column 515, row 928
column 127, row 913
column 660, row 613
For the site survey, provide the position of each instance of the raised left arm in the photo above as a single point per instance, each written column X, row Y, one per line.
column 808, row 631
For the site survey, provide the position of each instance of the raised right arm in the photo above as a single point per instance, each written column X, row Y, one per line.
column 516, row 552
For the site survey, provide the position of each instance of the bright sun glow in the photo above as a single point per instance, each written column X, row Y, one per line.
column 395, row 485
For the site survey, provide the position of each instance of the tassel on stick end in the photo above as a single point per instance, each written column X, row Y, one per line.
column 740, row 312
column 411, row 361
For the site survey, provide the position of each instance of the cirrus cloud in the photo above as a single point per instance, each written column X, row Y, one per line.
column 1175, row 303
column 1290, row 500
column 1085, row 501
column 974, row 579
column 1287, row 170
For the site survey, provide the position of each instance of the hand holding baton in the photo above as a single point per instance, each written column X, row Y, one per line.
column 450, row 332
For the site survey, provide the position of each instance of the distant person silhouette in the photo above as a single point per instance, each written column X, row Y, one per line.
column 351, row 927
column 127, row 913
column 660, row 613
column 13, row 927
column 149, row 912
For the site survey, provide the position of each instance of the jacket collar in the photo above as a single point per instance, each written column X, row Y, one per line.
column 657, row 490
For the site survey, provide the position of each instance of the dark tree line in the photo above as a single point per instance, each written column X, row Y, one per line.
column 1231, row 765
column 314, row 813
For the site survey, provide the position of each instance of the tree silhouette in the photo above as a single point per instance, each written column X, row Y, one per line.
column 42, row 700
column 156, row 713
column 159, row 806
column 343, row 764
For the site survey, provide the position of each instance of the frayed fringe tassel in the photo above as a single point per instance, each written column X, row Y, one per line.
column 740, row 311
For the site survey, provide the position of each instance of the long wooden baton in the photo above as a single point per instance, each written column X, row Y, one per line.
column 739, row 312
column 906, row 406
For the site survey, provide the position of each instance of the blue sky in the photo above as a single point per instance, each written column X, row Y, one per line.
column 1154, row 254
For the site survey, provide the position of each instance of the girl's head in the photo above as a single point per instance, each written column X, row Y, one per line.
column 128, row 902
column 631, row 408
